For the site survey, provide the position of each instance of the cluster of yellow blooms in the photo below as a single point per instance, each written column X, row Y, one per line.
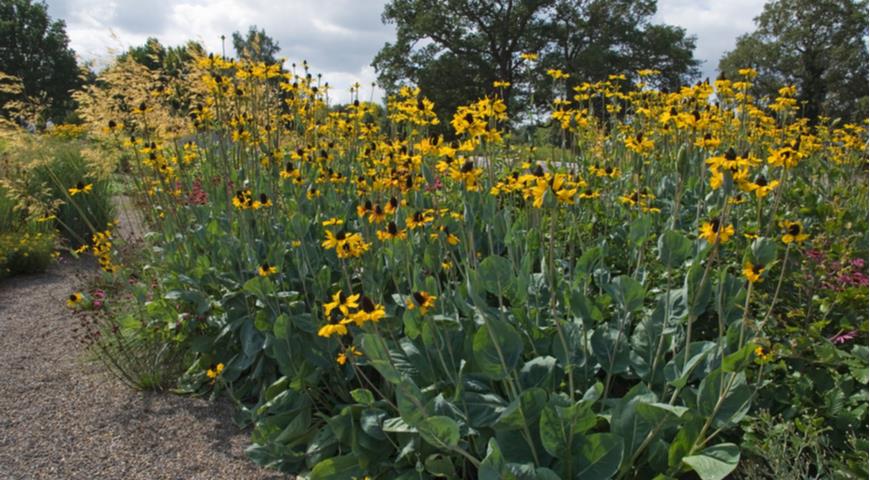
column 102, row 249
column 346, row 309
column 408, row 185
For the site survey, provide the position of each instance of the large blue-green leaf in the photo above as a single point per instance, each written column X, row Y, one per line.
column 497, row 348
column 716, row 462
column 439, row 431
column 598, row 456
column 337, row 468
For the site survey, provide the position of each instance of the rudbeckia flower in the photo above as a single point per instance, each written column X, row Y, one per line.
column 364, row 209
column 377, row 215
column 331, row 329
column 350, row 352
column 368, row 312
column 265, row 270
column 589, row 194
column 794, row 232
column 752, row 271
column 341, row 302
column 391, row 232
column 74, row 300
column 422, row 300
column 80, row 188
column 639, row 145
column 262, row 202
column 711, row 230
column 418, row 220
column 391, row 206
column 761, row 186
column 242, row 199
column 213, row 373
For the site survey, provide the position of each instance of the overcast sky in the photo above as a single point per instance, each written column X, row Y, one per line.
column 339, row 38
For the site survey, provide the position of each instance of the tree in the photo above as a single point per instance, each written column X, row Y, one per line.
column 172, row 61
column 818, row 45
column 592, row 39
column 256, row 46
column 454, row 49
column 35, row 49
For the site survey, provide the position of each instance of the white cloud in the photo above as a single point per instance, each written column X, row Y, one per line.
column 339, row 38
column 716, row 23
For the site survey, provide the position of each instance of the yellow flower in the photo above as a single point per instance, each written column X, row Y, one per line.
column 290, row 172
column 377, row 215
column 213, row 373
column 784, row 157
column 265, row 270
column 331, row 329
column 418, row 220
column 501, row 84
column 589, row 194
column 752, row 271
column 422, row 300
column 333, row 221
column 362, row 210
column 368, row 312
column 80, row 188
column 391, row 232
column 350, row 352
column 242, row 199
column 557, row 74
column 74, row 300
column 794, row 232
column 639, row 145
column 262, row 202
column 711, row 230
column 761, row 186
column 529, row 56
column 342, row 302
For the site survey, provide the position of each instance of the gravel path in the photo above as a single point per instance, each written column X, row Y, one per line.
column 63, row 418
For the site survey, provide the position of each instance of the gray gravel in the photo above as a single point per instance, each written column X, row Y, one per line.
column 62, row 418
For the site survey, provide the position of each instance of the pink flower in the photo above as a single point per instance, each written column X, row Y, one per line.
column 857, row 262
column 436, row 185
column 843, row 337
column 99, row 293
column 815, row 255
column 97, row 304
column 197, row 196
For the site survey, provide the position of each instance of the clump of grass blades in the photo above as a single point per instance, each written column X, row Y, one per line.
column 26, row 246
column 141, row 358
column 79, row 216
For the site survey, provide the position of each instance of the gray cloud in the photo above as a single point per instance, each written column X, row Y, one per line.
column 716, row 23
column 338, row 37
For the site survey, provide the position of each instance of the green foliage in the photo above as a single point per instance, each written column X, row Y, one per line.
column 78, row 216
column 35, row 49
column 256, row 46
column 26, row 246
column 819, row 46
column 560, row 321
column 452, row 49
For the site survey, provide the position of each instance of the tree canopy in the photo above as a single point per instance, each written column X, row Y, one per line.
column 35, row 48
column 450, row 48
column 256, row 45
column 817, row 45
column 172, row 60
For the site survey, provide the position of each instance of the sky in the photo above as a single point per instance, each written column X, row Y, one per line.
column 339, row 38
